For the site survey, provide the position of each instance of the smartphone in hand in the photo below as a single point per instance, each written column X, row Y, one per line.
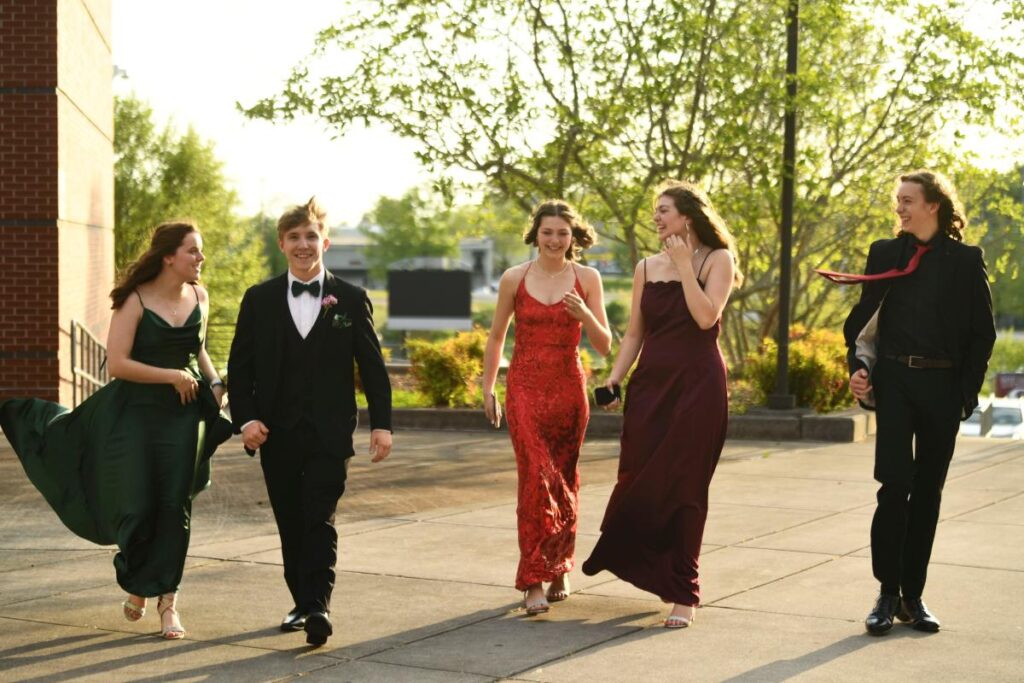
column 603, row 395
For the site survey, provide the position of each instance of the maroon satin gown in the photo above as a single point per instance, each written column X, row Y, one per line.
column 672, row 435
column 547, row 412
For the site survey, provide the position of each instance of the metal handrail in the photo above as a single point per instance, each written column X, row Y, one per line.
column 88, row 363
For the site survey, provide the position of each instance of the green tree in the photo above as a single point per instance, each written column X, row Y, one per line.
column 415, row 224
column 597, row 101
column 994, row 202
column 159, row 176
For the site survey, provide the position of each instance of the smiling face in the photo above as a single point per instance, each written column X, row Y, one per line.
column 916, row 215
column 668, row 220
column 554, row 237
column 187, row 260
column 304, row 247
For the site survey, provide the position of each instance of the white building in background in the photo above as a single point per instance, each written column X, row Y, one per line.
column 347, row 258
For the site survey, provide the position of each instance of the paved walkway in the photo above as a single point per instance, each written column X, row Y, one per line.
column 428, row 555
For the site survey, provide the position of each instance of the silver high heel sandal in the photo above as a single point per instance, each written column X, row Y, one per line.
column 167, row 604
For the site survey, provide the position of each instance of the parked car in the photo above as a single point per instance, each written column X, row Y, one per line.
column 1007, row 418
column 972, row 425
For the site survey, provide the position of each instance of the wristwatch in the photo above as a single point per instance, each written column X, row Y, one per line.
column 217, row 383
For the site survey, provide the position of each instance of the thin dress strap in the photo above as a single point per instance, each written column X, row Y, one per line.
column 195, row 292
column 140, row 297
column 577, row 284
column 645, row 269
column 701, row 269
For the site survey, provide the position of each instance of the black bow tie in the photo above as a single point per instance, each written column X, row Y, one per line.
column 313, row 288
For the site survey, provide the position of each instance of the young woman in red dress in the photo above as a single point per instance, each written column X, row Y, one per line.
column 553, row 299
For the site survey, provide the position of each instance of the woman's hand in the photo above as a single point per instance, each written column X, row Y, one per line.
column 492, row 409
column 576, row 306
column 186, row 386
column 610, row 384
column 218, row 395
column 678, row 249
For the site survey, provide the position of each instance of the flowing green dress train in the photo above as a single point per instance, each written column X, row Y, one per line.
column 123, row 467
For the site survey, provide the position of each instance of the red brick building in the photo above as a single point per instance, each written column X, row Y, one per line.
column 56, row 188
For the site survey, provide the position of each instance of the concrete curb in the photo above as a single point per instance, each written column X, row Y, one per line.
column 759, row 424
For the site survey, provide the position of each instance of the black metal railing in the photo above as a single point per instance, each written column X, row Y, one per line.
column 88, row 363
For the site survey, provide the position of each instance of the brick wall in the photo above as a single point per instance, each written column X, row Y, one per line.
column 56, row 187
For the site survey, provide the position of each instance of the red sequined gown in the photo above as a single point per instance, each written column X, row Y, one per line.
column 547, row 412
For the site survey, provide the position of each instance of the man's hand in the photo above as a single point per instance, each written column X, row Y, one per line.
column 860, row 385
column 254, row 435
column 380, row 444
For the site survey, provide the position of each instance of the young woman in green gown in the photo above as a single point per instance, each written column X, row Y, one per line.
column 123, row 467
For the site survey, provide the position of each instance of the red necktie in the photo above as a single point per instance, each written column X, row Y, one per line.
column 851, row 279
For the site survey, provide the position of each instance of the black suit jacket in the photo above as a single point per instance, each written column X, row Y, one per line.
column 344, row 334
column 965, row 304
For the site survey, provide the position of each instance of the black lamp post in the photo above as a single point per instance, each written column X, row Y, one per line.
column 782, row 399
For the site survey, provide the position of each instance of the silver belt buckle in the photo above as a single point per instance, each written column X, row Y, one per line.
column 910, row 361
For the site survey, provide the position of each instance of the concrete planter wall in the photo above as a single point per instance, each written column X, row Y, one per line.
column 761, row 425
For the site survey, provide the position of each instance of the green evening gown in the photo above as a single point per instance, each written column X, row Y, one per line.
column 123, row 467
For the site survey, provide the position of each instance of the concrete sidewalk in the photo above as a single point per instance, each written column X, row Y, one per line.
column 429, row 552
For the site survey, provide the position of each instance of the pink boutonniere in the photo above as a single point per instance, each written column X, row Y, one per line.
column 327, row 302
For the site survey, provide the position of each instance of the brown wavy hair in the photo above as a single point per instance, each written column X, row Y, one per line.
column 311, row 212
column 583, row 234
column 165, row 241
column 938, row 189
column 694, row 203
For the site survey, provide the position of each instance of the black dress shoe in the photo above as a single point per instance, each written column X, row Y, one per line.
column 879, row 621
column 318, row 628
column 295, row 621
column 915, row 611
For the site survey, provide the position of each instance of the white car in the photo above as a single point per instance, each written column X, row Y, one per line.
column 1007, row 418
column 972, row 425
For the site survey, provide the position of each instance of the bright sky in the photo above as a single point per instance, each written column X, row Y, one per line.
column 192, row 60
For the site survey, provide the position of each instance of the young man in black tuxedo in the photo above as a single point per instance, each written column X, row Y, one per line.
column 918, row 344
column 292, row 390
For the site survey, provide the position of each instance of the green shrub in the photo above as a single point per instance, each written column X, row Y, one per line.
column 618, row 317
column 743, row 395
column 818, row 374
column 1007, row 356
column 447, row 372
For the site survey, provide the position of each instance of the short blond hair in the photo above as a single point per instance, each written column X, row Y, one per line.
column 311, row 212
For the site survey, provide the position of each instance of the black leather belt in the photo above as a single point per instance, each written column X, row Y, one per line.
column 921, row 362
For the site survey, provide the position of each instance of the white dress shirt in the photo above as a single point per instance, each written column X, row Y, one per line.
column 305, row 307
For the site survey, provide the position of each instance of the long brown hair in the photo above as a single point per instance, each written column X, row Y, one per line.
column 165, row 241
column 694, row 203
column 583, row 234
column 939, row 190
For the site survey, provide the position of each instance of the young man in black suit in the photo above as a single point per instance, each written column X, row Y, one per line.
column 918, row 344
column 293, row 397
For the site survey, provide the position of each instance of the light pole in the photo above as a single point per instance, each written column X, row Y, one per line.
column 782, row 399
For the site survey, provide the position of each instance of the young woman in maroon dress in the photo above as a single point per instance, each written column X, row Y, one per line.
column 676, row 404
column 552, row 299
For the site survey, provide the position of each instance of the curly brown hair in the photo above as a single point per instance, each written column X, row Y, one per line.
column 938, row 189
column 583, row 234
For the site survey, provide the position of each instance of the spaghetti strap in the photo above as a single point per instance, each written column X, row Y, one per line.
column 143, row 303
column 701, row 269
column 645, row 269
column 195, row 292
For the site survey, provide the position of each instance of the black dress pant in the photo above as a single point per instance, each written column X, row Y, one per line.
column 304, row 483
column 918, row 415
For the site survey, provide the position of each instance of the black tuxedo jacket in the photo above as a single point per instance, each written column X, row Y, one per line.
column 965, row 304
column 342, row 334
